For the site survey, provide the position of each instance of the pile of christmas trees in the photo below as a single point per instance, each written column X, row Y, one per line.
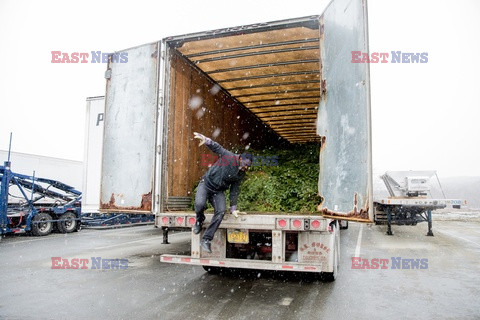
column 282, row 180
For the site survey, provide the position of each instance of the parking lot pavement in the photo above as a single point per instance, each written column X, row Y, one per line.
column 447, row 288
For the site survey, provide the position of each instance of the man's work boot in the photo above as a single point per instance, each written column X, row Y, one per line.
column 206, row 245
column 197, row 228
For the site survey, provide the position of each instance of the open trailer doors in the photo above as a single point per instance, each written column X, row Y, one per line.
column 129, row 141
column 344, row 120
column 294, row 76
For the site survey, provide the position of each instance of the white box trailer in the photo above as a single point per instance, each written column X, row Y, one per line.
column 277, row 83
column 92, row 168
column 92, row 163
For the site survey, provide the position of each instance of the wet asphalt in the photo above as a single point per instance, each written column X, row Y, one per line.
column 448, row 288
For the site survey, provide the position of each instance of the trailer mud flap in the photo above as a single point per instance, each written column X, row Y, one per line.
column 344, row 122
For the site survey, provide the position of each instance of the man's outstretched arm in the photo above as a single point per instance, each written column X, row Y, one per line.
column 212, row 145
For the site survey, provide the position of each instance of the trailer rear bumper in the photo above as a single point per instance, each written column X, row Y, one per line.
column 244, row 264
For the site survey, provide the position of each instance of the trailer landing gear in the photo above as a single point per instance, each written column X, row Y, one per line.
column 429, row 233
column 389, row 221
column 165, row 235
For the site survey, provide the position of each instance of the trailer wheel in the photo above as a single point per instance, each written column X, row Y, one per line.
column 42, row 228
column 344, row 225
column 212, row 270
column 69, row 225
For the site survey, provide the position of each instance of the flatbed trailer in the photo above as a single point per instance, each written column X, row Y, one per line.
column 409, row 211
column 409, row 202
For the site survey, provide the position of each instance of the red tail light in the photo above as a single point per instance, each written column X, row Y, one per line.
column 165, row 220
column 315, row 224
column 297, row 223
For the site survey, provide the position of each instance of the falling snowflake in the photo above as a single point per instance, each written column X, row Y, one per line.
column 216, row 132
column 195, row 102
column 200, row 113
column 215, row 89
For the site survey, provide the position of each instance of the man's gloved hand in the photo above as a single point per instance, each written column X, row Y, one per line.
column 202, row 138
column 235, row 212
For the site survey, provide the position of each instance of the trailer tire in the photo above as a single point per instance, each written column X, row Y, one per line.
column 68, row 226
column 42, row 228
column 212, row 270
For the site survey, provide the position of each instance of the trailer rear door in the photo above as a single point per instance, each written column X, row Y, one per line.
column 344, row 112
column 129, row 141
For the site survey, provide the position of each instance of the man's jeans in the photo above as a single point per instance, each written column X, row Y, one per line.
column 217, row 199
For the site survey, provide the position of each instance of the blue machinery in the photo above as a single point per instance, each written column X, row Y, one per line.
column 62, row 212
column 108, row 220
column 44, row 205
column 30, row 213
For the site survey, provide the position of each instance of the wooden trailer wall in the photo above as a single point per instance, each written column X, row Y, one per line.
column 197, row 104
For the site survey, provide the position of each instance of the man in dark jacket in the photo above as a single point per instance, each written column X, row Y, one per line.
column 227, row 172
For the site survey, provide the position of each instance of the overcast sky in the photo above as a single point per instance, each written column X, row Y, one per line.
column 425, row 116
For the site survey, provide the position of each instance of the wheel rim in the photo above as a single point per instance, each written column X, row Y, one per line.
column 43, row 226
column 69, row 223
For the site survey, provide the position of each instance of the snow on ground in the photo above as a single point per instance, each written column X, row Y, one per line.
column 463, row 214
